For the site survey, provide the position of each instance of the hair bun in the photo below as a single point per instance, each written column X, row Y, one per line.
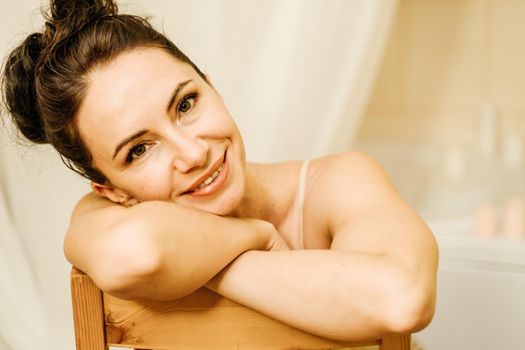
column 69, row 16
column 79, row 10
column 32, row 49
column 19, row 88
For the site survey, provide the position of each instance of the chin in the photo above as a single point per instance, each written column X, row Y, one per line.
column 228, row 208
column 225, row 205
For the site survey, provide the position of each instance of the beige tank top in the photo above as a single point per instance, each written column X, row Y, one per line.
column 300, row 202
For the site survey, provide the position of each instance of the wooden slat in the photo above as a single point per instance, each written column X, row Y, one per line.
column 202, row 320
column 395, row 342
column 87, row 312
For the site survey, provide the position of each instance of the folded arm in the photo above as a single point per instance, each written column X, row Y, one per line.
column 378, row 277
column 156, row 250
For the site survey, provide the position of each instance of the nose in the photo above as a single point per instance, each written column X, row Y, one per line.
column 190, row 152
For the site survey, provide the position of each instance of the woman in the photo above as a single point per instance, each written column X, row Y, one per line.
column 327, row 246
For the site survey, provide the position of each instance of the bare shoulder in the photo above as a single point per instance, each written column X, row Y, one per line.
column 351, row 172
column 363, row 210
column 93, row 207
column 359, row 163
column 89, row 202
column 350, row 185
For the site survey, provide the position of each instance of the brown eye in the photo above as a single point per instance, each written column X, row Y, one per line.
column 136, row 152
column 139, row 150
column 184, row 106
column 187, row 103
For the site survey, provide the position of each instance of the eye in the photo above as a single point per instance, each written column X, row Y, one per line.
column 187, row 103
column 137, row 151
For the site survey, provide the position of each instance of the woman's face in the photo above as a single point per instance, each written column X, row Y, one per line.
column 158, row 131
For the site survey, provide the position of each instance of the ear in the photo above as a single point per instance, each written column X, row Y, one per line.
column 114, row 194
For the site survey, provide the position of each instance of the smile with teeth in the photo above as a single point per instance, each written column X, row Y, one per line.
column 210, row 179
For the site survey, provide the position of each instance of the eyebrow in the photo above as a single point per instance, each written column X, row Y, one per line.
column 128, row 140
column 138, row 134
column 176, row 93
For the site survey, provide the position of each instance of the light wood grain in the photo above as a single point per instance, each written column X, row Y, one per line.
column 87, row 312
column 396, row 342
column 201, row 320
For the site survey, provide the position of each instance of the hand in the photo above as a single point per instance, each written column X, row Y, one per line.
column 267, row 238
column 274, row 241
column 277, row 243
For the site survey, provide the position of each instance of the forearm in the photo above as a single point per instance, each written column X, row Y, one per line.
column 186, row 248
column 334, row 294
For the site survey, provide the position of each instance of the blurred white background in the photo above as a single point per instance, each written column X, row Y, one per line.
column 431, row 88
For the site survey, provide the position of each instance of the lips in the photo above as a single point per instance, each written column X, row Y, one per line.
column 210, row 179
column 209, row 182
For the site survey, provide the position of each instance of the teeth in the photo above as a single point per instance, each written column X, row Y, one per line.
column 210, row 179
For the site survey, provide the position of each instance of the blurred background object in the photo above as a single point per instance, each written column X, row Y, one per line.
column 445, row 118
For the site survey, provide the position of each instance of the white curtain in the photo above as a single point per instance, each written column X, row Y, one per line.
column 296, row 75
column 22, row 320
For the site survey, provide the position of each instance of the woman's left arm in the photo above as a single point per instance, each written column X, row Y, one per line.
column 379, row 275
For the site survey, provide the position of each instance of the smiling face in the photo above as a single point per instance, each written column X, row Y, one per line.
column 158, row 131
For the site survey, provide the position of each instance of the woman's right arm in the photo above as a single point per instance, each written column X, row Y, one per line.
column 157, row 250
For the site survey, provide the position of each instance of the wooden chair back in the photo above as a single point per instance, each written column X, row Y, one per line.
column 199, row 321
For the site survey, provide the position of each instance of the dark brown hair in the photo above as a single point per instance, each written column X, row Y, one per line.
column 44, row 79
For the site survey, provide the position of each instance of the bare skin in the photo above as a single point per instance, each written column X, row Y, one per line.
column 369, row 264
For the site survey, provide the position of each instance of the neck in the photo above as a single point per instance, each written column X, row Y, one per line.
column 262, row 198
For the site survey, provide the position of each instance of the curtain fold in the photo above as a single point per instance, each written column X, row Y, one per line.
column 353, row 85
column 22, row 315
column 295, row 74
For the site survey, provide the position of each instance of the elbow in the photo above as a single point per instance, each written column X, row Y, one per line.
column 129, row 261
column 411, row 306
column 411, row 309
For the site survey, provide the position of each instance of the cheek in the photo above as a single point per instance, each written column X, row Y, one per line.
column 154, row 182
column 219, row 120
column 154, row 187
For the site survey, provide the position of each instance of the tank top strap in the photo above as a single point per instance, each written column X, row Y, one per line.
column 300, row 199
